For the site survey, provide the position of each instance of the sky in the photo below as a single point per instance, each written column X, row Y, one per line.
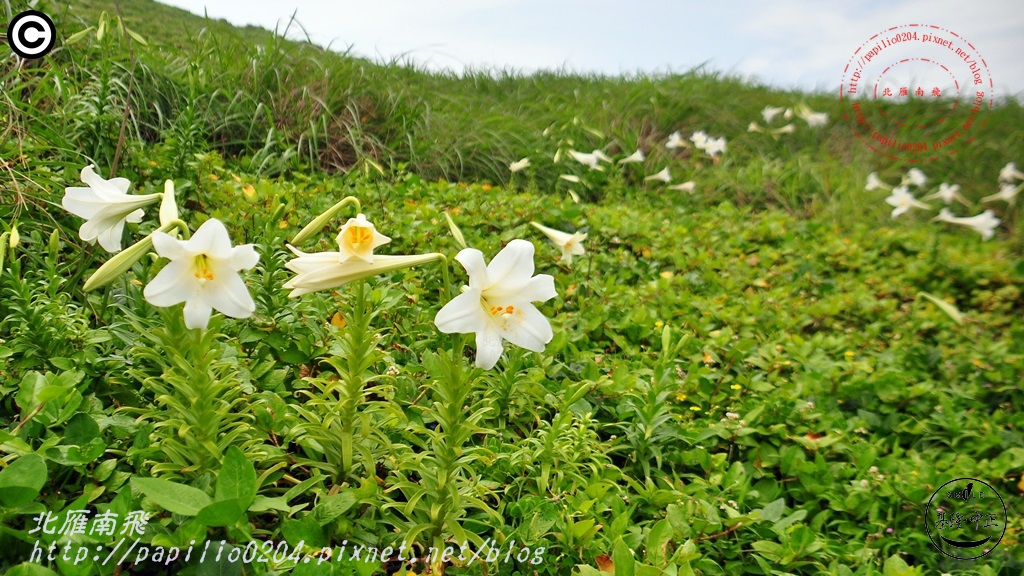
column 803, row 44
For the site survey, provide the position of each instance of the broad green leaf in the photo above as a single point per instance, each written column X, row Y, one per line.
column 31, row 569
column 333, row 506
column 173, row 497
column 237, row 478
column 622, row 557
column 774, row 510
column 222, row 512
column 21, row 480
column 895, row 566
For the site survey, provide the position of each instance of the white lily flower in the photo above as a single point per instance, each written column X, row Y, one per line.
column 699, row 139
column 519, row 165
column 903, row 200
column 358, row 238
column 675, row 140
column 714, row 146
column 948, row 193
column 588, row 160
column 601, row 156
column 570, row 178
column 106, row 206
column 203, row 273
column 498, row 303
column 664, row 176
column 984, row 223
column 1009, row 173
column 328, row 270
column 684, row 187
column 570, row 244
column 754, row 127
column 787, row 129
column 770, row 112
column 635, row 157
column 815, row 119
column 875, row 183
column 916, row 177
column 1007, row 193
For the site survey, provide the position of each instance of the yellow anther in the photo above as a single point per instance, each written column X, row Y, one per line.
column 359, row 235
column 201, row 268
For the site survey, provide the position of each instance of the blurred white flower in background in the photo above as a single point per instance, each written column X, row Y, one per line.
column 948, row 193
column 519, row 165
column 663, row 176
column 984, row 223
column 903, row 200
column 635, row 157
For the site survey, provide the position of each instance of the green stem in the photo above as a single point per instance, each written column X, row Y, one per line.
column 447, row 291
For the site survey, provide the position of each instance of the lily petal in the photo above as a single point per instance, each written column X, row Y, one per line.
column 463, row 314
column 488, row 347
column 513, row 266
column 528, row 328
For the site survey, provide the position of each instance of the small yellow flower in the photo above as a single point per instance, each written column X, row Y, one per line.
column 680, row 396
column 659, row 325
column 248, row 190
column 736, row 387
column 850, row 354
column 695, row 408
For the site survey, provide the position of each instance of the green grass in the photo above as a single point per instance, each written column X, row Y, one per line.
column 745, row 379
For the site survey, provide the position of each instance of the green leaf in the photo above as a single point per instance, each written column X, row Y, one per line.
column 75, row 455
column 36, row 389
column 622, row 557
column 333, row 506
column 770, row 550
column 656, row 539
column 80, row 429
column 306, row 530
column 237, row 479
column 173, row 497
column 774, row 510
column 895, row 566
column 222, row 512
column 31, row 569
column 21, row 480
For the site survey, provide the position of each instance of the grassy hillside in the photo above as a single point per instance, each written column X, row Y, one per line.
column 765, row 374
